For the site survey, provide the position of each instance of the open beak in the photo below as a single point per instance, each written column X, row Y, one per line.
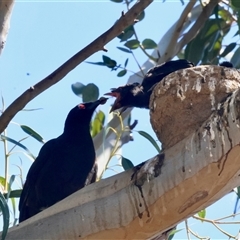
column 112, row 94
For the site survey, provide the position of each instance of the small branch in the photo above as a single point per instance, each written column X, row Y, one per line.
column 230, row 216
column 196, row 235
column 97, row 45
column 215, row 225
column 187, row 229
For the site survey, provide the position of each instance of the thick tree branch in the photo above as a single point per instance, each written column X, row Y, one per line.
column 156, row 195
column 6, row 8
column 97, row 45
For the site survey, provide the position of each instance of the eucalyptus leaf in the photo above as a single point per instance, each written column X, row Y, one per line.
column 98, row 123
column 126, row 163
column 109, row 62
column 122, row 73
column 90, row 93
column 32, row 133
column 132, row 44
column 5, row 214
column 149, row 44
column 150, row 139
column 124, row 49
column 117, row 1
column 228, row 49
column 77, row 88
column 18, row 144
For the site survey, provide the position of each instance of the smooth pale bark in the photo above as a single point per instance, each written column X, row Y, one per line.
column 154, row 196
column 6, row 8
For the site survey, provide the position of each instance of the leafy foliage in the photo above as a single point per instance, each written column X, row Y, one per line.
column 88, row 93
column 6, row 217
column 126, row 163
column 150, row 139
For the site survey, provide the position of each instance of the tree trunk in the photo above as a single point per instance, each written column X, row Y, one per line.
column 186, row 177
column 6, row 8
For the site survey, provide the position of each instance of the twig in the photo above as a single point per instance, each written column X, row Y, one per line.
column 232, row 215
column 214, row 224
column 196, row 235
column 97, row 45
column 187, row 229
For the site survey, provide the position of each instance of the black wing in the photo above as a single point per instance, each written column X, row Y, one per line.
column 28, row 204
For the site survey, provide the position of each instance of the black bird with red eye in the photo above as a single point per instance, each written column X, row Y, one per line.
column 64, row 164
column 138, row 95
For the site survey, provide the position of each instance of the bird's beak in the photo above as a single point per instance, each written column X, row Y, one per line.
column 116, row 105
column 112, row 94
column 100, row 101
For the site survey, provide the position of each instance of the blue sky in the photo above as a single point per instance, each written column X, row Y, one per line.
column 43, row 35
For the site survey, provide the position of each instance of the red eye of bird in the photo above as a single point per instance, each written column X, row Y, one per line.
column 81, row 106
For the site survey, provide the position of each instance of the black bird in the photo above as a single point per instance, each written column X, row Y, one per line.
column 226, row 64
column 64, row 164
column 138, row 95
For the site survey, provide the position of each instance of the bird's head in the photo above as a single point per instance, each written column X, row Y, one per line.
column 81, row 115
column 124, row 96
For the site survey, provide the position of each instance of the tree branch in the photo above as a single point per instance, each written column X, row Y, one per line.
column 158, row 194
column 97, row 45
column 6, row 8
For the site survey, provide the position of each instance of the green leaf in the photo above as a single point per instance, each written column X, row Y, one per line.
column 14, row 193
column 5, row 213
column 149, row 44
column 126, row 62
column 150, row 139
column 18, row 144
column 77, row 88
column 96, row 63
column 127, row 33
column 141, row 16
column 132, row 44
column 173, row 232
column 210, row 40
column 90, row 93
column 228, row 49
column 109, row 62
column 202, row 213
column 117, row 1
column 124, row 49
column 126, row 163
column 235, row 4
column 12, row 178
column 32, row 133
column 98, row 123
column 122, row 73
column 235, row 60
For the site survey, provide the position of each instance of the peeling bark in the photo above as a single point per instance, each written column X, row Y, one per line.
column 156, row 195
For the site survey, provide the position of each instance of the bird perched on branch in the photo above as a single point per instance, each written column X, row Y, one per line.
column 138, row 95
column 64, row 164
